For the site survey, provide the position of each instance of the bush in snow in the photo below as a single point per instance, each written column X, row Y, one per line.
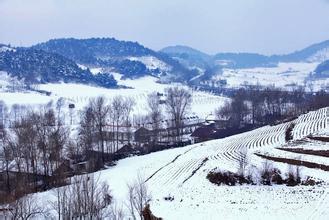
column 270, row 175
column 228, row 178
column 294, row 177
column 289, row 135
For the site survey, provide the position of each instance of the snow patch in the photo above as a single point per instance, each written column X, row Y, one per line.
column 151, row 63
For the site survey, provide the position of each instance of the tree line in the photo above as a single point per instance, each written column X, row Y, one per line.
column 38, row 145
column 255, row 106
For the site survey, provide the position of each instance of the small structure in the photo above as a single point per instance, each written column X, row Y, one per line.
column 205, row 133
column 143, row 135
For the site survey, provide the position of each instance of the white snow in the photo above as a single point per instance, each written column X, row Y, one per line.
column 6, row 48
column 283, row 75
column 151, row 62
column 83, row 67
column 4, row 80
column 196, row 198
column 138, row 90
column 24, row 98
column 92, row 70
column 95, row 70
column 320, row 56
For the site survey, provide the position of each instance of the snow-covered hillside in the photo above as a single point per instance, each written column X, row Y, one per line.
column 139, row 89
column 320, row 56
column 181, row 174
column 4, row 48
column 285, row 75
column 152, row 63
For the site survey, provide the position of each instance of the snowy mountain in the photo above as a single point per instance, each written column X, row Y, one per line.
column 315, row 53
column 322, row 69
column 37, row 66
column 242, row 60
column 189, row 57
column 60, row 60
column 130, row 59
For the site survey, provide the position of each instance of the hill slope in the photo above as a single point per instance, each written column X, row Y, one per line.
column 212, row 64
column 181, row 175
column 184, row 176
column 130, row 59
column 189, row 57
column 322, row 70
column 37, row 66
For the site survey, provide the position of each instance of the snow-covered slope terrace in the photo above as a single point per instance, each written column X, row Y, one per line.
column 225, row 153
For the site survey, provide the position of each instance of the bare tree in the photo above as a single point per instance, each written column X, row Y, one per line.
column 243, row 162
column 26, row 208
column 128, row 106
column 138, row 197
column 59, row 106
column 100, row 114
column 224, row 111
column 7, row 157
column 178, row 103
column 15, row 112
column 3, row 115
column 86, row 129
column 62, row 204
column 25, row 133
column 117, row 116
column 153, row 102
column 85, row 198
column 115, row 213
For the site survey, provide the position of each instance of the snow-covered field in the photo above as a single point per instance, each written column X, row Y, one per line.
column 175, row 173
column 283, row 75
column 139, row 89
column 181, row 172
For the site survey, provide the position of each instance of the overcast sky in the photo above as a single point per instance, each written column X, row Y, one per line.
column 263, row 26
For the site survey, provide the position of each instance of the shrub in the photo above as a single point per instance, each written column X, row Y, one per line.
column 270, row 175
column 276, row 177
column 309, row 182
column 288, row 135
column 293, row 178
column 228, row 178
column 266, row 173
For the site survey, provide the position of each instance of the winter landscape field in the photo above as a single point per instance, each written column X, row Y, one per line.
column 164, row 110
column 197, row 198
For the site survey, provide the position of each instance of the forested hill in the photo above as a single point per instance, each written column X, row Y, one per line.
column 130, row 59
column 37, row 66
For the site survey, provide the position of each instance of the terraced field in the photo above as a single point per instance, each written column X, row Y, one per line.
column 181, row 174
column 225, row 153
column 196, row 198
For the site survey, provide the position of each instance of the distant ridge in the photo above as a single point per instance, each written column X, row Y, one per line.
column 131, row 59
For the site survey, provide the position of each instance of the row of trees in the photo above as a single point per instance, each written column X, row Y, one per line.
column 33, row 146
column 258, row 106
column 99, row 118
column 40, row 143
column 177, row 105
column 85, row 198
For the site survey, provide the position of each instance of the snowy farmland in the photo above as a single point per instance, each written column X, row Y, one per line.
column 138, row 90
column 283, row 75
column 181, row 174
